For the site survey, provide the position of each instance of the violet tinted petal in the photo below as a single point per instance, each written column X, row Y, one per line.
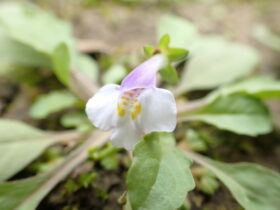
column 144, row 75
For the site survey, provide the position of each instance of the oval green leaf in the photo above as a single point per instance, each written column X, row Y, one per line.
column 158, row 167
column 239, row 114
column 19, row 145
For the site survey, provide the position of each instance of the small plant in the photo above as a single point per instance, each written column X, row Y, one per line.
column 142, row 116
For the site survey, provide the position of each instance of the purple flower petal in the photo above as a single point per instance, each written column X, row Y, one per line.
column 144, row 75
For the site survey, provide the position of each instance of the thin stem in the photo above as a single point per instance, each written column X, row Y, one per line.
column 217, row 171
column 82, row 86
column 200, row 160
column 65, row 136
column 184, row 118
column 192, row 105
column 56, row 137
column 97, row 139
column 195, row 156
column 92, row 45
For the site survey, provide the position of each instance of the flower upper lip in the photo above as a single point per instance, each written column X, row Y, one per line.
column 144, row 75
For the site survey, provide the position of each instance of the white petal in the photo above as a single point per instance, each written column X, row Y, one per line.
column 158, row 111
column 126, row 135
column 101, row 108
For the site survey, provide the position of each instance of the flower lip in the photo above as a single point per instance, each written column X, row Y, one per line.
column 144, row 75
column 136, row 107
column 128, row 102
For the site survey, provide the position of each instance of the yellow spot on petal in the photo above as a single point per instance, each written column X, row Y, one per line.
column 133, row 115
column 137, row 110
column 124, row 103
column 124, row 98
column 121, row 111
column 128, row 94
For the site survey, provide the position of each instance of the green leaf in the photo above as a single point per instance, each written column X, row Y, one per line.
column 51, row 103
column 209, row 185
column 76, row 119
column 13, row 54
column 267, row 37
column 87, row 179
column 42, row 32
column 211, row 67
column 114, row 74
column 13, row 194
column 19, row 145
column 87, row 66
column 253, row 186
column 194, row 141
column 61, row 63
column 169, row 74
column 26, row 194
column 176, row 54
column 164, row 41
column 35, row 27
column 182, row 33
column 239, row 114
column 208, row 42
column 264, row 87
column 110, row 163
column 149, row 50
column 157, row 168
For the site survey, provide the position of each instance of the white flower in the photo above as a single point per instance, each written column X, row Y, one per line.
column 134, row 108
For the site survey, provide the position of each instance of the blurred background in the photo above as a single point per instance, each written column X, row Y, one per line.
column 116, row 31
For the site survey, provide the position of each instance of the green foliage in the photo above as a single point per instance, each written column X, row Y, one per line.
column 114, row 74
column 176, row 54
column 169, row 74
column 87, row 179
column 13, row 53
column 211, row 67
column 214, row 61
column 51, row 103
column 107, row 156
column 96, row 154
column 267, row 37
column 30, row 43
column 239, row 114
column 34, row 39
column 45, row 32
column 19, row 145
column 173, row 54
column 208, row 182
column 26, row 194
column 264, row 87
column 87, row 66
column 42, row 32
column 164, row 42
column 182, row 33
column 194, row 141
column 149, row 50
column 61, row 63
column 158, row 167
column 209, row 185
column 75, row 119
column 71, row 186
column 110, row 163
column 21, row 194
column 253, row 186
